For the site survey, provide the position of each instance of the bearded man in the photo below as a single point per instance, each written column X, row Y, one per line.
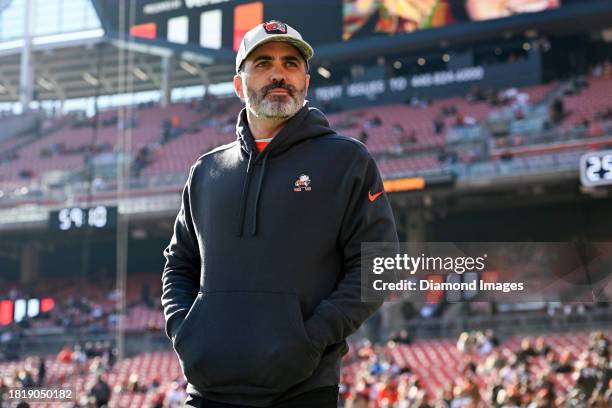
column 262, row 281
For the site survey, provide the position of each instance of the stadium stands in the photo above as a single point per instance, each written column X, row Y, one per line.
column 407, row 139
column 66, row 149
column 379, row 372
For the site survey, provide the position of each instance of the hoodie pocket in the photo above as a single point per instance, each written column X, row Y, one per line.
column 246, row 343
column 192, row 311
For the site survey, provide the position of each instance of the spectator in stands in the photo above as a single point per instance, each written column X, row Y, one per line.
column 408, row 139
column 101, row 392
column 460, row 119
column 483, row 343
column 557, row 111
column 357, row 401
column 166, row 130
column 564, row 364
column 373, row 122
column 175, row 396
column 79, row 358
column 438, row 125
column 110, row 120
column 540, row 347
column 448, row 110
column 145, row 295
column 600, row 344
column 401, row 337
column 42, row 372
column 26, row 174
column 158, row 398
column 418, row 102
column 175, row 121
column 466, row 343
column 97, row 365
column 586, row 375
column 65, row 355
column 363, row 136
column 526, row 351
column 25, row 378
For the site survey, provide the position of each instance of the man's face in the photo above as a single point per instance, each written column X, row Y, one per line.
column 273, row 81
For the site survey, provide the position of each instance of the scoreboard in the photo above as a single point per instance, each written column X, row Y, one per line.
column 17, row 310
column 218, row 26
column 596, row 168
column 78, row 218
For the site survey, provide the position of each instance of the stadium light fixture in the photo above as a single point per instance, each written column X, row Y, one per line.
column 526, row 46
column 140, row 74
column 189, row 68
column 90, row 79
column 324, row 72
column 397, row 65
column 421, row 61
column 45, row 84
column 445, row 57
column 200, row 59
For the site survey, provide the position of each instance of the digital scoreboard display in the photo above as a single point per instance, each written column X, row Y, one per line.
column 15, row 311
column 596, row 168
column 221, row 24
column 78, row 218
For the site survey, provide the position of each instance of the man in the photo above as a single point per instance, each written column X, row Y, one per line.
column 262, row 280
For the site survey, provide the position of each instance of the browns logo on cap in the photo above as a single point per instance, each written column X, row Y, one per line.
column 275, row 27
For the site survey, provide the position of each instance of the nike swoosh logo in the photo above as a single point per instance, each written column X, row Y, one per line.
column 373, row 197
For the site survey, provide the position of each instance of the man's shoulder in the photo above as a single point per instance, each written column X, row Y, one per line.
column 345, row 144
column 216, row 150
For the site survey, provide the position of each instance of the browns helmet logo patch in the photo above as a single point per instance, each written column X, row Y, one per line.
column 302, row 183
column 275, row 27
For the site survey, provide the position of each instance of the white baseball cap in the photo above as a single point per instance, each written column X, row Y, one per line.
column 271, row 31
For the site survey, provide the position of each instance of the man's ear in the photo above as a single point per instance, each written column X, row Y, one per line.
column 238, row 86
column 307, row 84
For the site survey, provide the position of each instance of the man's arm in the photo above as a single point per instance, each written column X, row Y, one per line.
column 365, row 220
column 181, row 276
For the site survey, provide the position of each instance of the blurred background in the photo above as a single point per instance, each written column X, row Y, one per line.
column 490, row 121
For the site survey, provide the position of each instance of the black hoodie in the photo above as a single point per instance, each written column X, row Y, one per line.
column 261, row 284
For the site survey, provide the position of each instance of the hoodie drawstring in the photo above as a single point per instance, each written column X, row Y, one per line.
column 261, row 177
column 245, row 188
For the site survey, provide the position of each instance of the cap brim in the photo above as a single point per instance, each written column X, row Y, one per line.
column 303, row 47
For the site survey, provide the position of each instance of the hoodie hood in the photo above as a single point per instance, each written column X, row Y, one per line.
column 307, row 123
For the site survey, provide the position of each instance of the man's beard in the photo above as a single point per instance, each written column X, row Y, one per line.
column 275, row 106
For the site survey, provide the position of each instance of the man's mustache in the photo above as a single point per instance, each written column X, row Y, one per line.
column 276, row 85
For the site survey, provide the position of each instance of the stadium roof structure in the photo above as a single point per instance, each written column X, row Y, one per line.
column 105, row 62
column 88, row 67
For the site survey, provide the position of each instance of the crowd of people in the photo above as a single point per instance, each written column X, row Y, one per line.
column 95, row 362
column 84, row 314
column 215, row 114
column 491, row 376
